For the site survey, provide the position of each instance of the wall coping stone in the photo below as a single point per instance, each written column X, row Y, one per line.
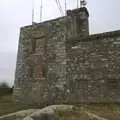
column 91, row 37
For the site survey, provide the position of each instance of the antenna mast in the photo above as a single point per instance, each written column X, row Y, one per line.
column 32, row 11
column 59, row 7
column 41, row 11
column 77, row 3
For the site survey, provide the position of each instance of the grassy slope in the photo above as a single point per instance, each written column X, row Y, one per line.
column 107, row 111
column 7, row 106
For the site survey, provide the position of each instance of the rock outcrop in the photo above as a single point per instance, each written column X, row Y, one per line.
column 67, row 112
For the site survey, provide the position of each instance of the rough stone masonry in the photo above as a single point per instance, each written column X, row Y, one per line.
column 59, row 62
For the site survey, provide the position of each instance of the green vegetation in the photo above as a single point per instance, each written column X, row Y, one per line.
column 7, row 106
column 79, row 112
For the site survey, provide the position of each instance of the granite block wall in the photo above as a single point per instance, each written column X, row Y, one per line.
column 94, row 68
column 42, row 61
column 59, row 62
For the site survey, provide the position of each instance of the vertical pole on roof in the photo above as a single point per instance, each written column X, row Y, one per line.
column 77, row 3
column 32, row 11
column 41, row 7
column 65, row 6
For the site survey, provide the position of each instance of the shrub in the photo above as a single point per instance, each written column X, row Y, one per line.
column 4, row 85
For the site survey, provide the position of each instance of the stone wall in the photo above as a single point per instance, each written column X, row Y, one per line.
column 41, row 76
column 94, row 68
column 59, row 62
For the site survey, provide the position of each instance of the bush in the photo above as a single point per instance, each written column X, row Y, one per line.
column 4, row 85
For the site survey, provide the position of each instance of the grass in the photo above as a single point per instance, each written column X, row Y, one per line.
column 75, row 114
column 7, row 106
column 107, row 111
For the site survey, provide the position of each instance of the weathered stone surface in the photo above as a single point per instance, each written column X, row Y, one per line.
column 59, row 62
column 68, row 112
column 18, row 115
column 47, row 113
column 93, row 69
column 95, row 117
column 41, row 76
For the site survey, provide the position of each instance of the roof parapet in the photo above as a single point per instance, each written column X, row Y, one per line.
column 76, row 11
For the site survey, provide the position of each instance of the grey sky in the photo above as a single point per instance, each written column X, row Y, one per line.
column 104, row 16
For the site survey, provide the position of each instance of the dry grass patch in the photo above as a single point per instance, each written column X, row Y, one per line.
column 74, row 114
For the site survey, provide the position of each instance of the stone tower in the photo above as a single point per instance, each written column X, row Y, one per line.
column 59, row 62
column 81, row 23
column 42, row 71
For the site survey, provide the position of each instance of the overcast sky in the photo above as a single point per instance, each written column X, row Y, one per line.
column 104, row 16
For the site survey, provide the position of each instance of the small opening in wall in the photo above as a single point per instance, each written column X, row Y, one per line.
column 44, row 73
column 33, row 46
column 113, row 83
column 30, row 71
